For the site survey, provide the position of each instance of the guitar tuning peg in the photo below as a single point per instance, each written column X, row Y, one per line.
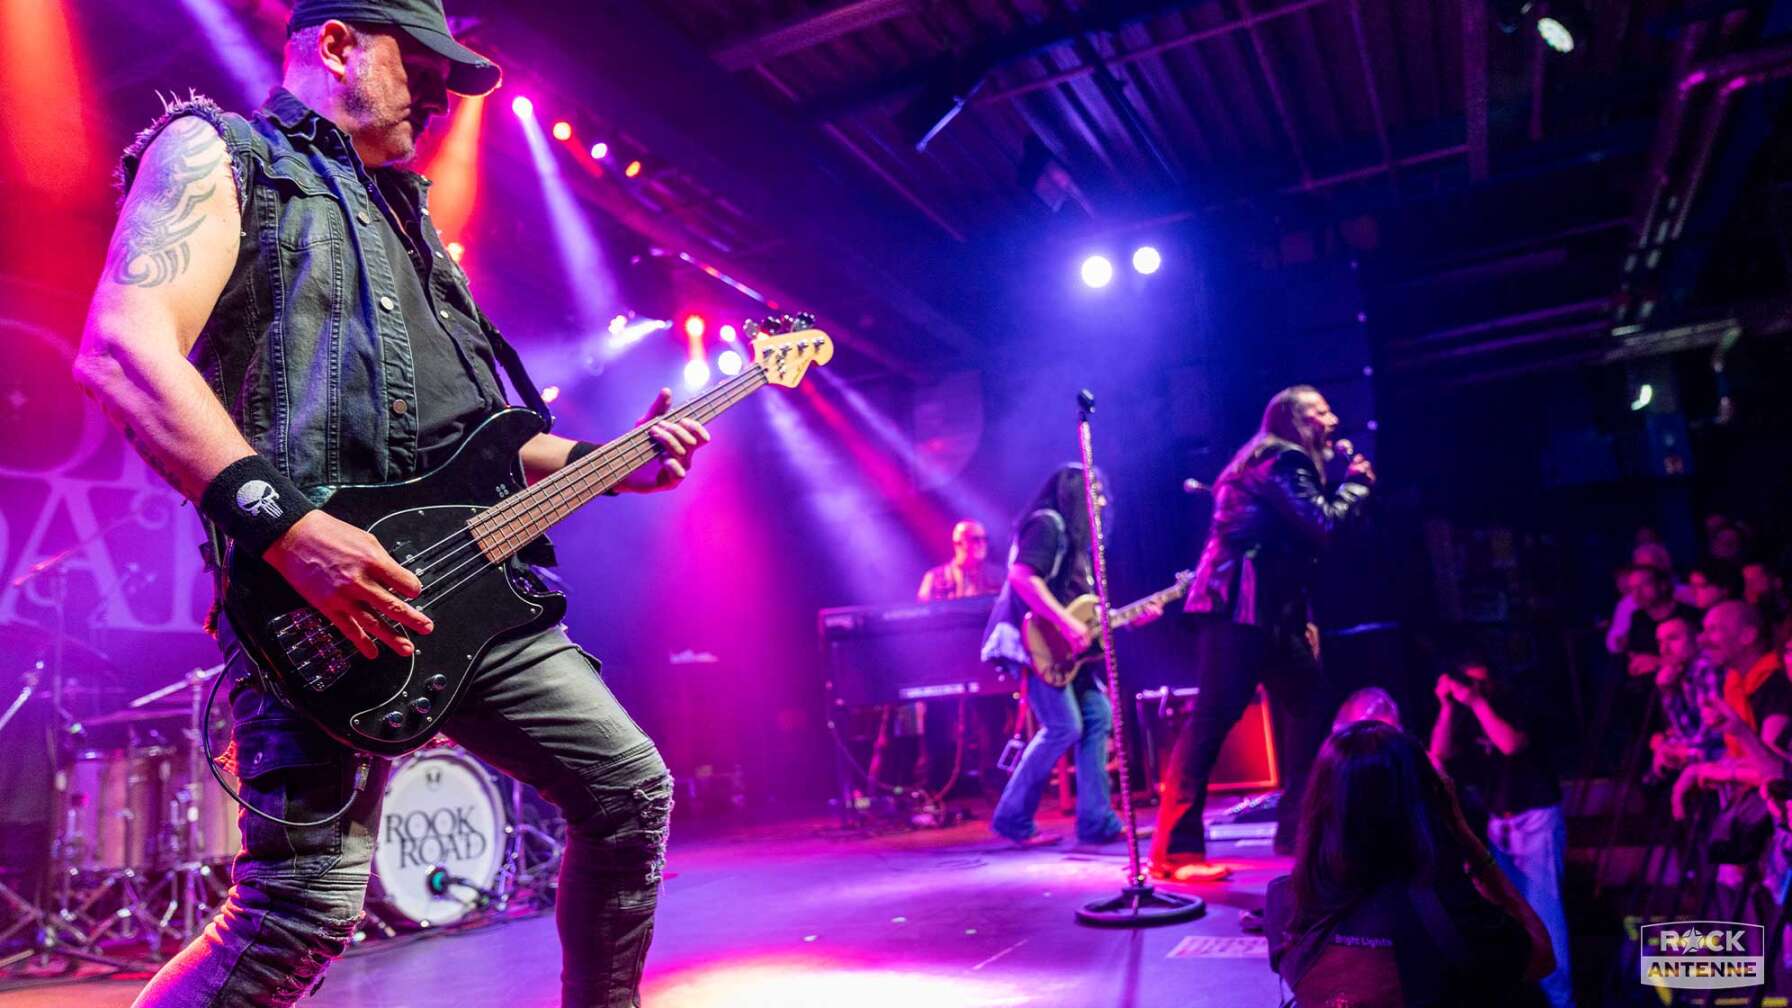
column 805, row 320
column 750, row 328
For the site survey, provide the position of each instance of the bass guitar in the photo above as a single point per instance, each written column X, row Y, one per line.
column 1056, row 659
column 458, row 528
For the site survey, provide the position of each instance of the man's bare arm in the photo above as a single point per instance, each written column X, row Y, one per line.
column 169, row 259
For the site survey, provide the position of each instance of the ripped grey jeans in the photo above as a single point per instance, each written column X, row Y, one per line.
column 538, row 711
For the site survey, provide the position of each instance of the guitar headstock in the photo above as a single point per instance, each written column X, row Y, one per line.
column 786, row 345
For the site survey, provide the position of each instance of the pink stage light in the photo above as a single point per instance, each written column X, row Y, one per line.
column 522, row 106
column 633, row 169
column 728, row 334
column 563, row 130
column 551, row 393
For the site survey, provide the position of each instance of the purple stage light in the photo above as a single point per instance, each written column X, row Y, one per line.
column 246, row 61
column 589, row 283
column 600, row 150
column 522, row 106
column 728, row 333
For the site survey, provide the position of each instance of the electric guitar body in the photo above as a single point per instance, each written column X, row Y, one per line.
column 1056, row 659
column 392, row 704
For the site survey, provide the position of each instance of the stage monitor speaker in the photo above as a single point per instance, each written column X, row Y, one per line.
column 1247, row 759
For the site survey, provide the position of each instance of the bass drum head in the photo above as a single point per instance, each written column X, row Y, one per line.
column 442, row 810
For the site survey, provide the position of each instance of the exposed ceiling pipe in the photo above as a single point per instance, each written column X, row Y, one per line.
column 1714, row 122
column 1667, row 136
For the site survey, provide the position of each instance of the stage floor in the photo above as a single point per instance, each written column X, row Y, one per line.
column 807, row 916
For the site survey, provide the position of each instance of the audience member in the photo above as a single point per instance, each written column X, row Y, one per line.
column 1766, row 591
column 1646, row 554
column 1713, row 581
column 1371, row 703
column 1686, row 680
column 1394, row 902
column 1652, row 589
column 1486, row 740
column 1755, row 711
column 1726, row 539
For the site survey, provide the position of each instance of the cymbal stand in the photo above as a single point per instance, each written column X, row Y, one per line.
column 57, row 934
column 532, row 866
column 192, row 883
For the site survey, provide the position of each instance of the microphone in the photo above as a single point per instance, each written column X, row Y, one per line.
column 1195, row 486
column 440, row 879
column 1343, row 448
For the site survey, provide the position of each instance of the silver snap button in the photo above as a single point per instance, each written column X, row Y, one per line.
column 387, row 303
column 400, row 407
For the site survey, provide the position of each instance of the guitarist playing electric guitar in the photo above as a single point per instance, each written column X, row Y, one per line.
column 278, row 320
column 1048, row 571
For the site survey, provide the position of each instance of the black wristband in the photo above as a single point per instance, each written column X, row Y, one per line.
column 253, row 503
column 582, row 449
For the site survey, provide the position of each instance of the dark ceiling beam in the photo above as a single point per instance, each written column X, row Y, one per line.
column 871, row 163
column 1370, row 89
column 991, row 54
column 1475, row 85
column 989, row 95
column 806, row 32
column 1276, row 97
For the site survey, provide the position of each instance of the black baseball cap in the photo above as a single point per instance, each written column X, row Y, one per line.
column 423, row 20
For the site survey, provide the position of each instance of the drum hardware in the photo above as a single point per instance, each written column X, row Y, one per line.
column 532, row 862
column 57, row 935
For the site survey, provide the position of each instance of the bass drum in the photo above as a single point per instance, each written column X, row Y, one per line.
column 443, row 815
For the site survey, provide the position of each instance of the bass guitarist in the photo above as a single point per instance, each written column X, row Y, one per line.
column 277, row 314
column 1049, row 565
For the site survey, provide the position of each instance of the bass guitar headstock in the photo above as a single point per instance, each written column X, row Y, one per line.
column 785, row 345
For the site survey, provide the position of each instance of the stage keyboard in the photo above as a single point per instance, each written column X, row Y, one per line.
column 918, row 651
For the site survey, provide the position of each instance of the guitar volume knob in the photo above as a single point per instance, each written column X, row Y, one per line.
column 436, row 683
column 394, row 718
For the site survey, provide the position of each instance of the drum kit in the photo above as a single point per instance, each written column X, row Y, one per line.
column 137, row 855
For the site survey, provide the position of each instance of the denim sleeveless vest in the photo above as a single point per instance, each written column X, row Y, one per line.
column 307, row 347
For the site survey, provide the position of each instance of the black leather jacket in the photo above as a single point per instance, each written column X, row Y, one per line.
column 1270, row 522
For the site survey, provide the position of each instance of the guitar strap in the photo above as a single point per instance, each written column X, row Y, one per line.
column 512, row 363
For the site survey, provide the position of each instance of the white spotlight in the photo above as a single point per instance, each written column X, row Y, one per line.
column 1146, row 259
column 696, row 374
column 729, row 362
column 1098, row 272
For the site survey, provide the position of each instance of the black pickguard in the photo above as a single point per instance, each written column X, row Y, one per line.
column 391, row 705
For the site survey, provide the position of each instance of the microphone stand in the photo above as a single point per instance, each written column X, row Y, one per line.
column 1138, row 904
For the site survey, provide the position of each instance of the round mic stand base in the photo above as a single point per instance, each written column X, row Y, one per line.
column 1141, row 906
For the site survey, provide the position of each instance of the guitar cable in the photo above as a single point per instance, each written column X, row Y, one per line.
column 363, row 770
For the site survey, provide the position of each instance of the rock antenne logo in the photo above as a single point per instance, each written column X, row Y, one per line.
column 1703, row 955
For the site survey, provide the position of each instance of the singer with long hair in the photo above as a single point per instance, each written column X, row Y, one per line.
column 1273, row 513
